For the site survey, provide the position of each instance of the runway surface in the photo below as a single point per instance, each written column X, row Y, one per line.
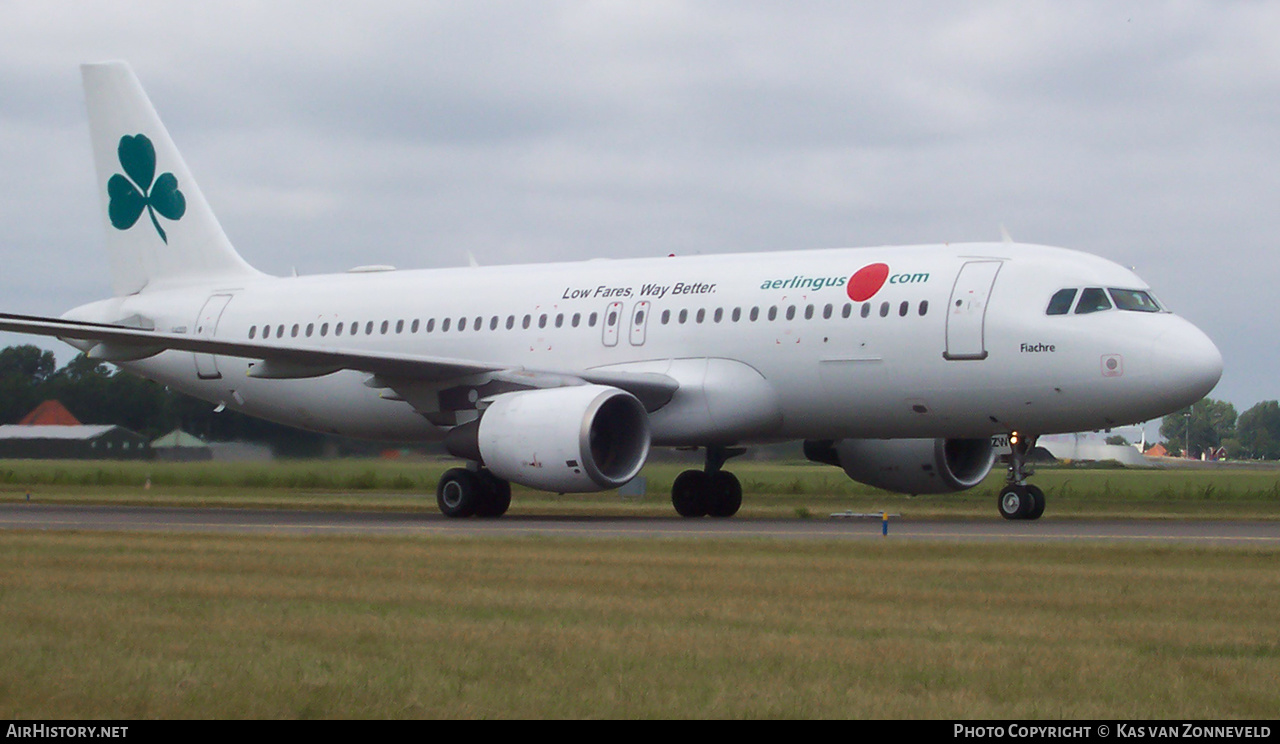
column 167, row 519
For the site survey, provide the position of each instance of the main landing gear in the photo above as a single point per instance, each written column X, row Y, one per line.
column 467, row 493
column 1018, row 499
column 710, row 491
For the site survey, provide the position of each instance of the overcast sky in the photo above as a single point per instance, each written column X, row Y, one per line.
column 329, row 135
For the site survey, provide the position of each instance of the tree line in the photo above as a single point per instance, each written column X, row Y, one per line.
column 97, row 393
column 1211, row 426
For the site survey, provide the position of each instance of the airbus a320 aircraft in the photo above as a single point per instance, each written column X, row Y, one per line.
column 897, row 364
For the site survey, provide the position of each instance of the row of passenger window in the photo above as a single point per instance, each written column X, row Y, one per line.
column 371, row 327
column 828, row 311
column 1096, row 299
column 575, row 320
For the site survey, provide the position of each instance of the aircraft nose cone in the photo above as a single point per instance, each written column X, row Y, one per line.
column 1187, row 362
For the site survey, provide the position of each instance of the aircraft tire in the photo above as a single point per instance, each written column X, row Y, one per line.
column 496, row 496
column 1015, row 502
column 689, row 494
column 459, row 493
column 1037, row 502
column 725, row 494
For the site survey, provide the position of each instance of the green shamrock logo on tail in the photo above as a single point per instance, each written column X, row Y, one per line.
column 129, row 197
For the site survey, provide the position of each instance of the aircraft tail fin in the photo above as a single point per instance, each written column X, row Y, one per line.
column 160, row 229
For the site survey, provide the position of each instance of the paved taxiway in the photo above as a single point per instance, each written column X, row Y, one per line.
column 165, row 519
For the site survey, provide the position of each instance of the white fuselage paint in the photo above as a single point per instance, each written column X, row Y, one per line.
column 983, row 358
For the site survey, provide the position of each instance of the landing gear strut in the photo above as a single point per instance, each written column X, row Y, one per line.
column 466, row 493
column 1019, row 499
column 711, row 491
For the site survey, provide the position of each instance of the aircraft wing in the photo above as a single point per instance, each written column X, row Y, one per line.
column 275, row 360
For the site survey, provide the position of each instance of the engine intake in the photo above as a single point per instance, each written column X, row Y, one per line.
column 568, row 440
column 913, row 466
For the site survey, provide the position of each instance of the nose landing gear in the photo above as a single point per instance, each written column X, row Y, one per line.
column 1018, row 499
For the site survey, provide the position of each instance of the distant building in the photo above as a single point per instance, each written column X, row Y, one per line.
column 49, row 413
column 50, row 432
column 83, row 442
column 1089, row 447
column 179, row 446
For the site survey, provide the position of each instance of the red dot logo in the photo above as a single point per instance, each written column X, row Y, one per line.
column 866, row 281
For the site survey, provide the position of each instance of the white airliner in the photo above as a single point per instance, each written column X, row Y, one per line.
column 897, row 364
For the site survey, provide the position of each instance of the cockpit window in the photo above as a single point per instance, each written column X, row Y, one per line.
column 1060, row 303
column 1134, row 299
column 1092, row 300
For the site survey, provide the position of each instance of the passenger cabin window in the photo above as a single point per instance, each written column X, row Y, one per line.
column 1092, row 300
column 1060, row 303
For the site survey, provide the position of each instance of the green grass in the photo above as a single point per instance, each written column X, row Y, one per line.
column 782, row 490
column 212, row 626
column 103, row 625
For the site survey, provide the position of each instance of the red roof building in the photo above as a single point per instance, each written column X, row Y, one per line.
column 49, row 413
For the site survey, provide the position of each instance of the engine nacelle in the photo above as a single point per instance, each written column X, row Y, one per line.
column 911, row 466
column 568, row 440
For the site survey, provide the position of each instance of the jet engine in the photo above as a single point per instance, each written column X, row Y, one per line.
column 911, row 466
column 568, row 439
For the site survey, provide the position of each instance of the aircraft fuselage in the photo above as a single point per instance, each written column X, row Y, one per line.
column 895, row 342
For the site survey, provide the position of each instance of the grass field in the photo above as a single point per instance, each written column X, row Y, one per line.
column 786, row 489
column 169, row 626
column 107, row 625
